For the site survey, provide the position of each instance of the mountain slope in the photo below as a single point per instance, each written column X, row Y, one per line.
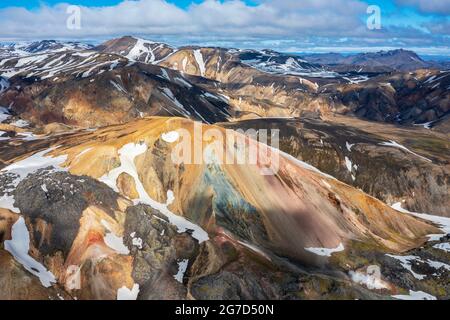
column 294, row 180
column 70, row 87
column 193, row 226
column 420, row 97
column 413, row 169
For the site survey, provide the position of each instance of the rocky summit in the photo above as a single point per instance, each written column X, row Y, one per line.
column 134, row 169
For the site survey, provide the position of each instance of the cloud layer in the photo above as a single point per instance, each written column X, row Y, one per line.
column 288, row 22
column 429, row 6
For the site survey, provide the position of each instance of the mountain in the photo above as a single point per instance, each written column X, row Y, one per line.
column 137, row 49
column 247, row 83
column 275, row 62
column 68, row 87
column 27, row 48
column 139, row 226
column 94, row 205
column 418, row 98
column 399, row 60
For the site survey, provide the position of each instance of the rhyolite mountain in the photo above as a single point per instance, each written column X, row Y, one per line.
column 138, row 223
column 92, row 205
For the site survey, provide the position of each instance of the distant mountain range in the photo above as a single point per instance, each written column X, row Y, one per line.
column 398, row 60
column 269, row 60
column 234, row 83
column 25, row 48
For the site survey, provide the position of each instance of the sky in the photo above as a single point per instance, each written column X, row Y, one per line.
column 283, row 25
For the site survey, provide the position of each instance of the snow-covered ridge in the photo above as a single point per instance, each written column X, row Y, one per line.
column 142, row 47
column 53, row 65
column 143, row 50
column 20, row 49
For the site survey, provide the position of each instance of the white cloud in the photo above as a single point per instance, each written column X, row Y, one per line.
column 233, row 17
column 230, row 22
column 429, row 6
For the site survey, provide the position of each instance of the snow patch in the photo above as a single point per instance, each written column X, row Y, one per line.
column 442, row 246
column 170, row 137
column 113, row 241
column 170, row 197
column 348, row 164
column 325, row 251
column 4, row 84
column 371, row 281
column 136, row 241
column 182, row 267
column 19, row 247
column 165, row 74
column 126, row 294
column 21, row 169
column 415, row 295
column 4, row 114
column 426, row 125
column 169, row 94
column 118, row 86
column 199, row 59
column 397, row 145
column 183, row 82
column 33, row 163
column 349, row 146
column 406, row 261
column 20, row 123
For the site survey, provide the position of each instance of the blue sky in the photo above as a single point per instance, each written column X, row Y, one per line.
column 33, row 4
column 288, row 25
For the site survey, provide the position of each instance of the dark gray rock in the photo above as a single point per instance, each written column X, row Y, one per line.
column 59, row 199
column 156, row 262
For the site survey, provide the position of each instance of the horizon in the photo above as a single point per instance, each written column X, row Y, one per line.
column 441, row 56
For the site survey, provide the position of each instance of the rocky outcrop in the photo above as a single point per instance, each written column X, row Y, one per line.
column 157, row 249
column 56, row 201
